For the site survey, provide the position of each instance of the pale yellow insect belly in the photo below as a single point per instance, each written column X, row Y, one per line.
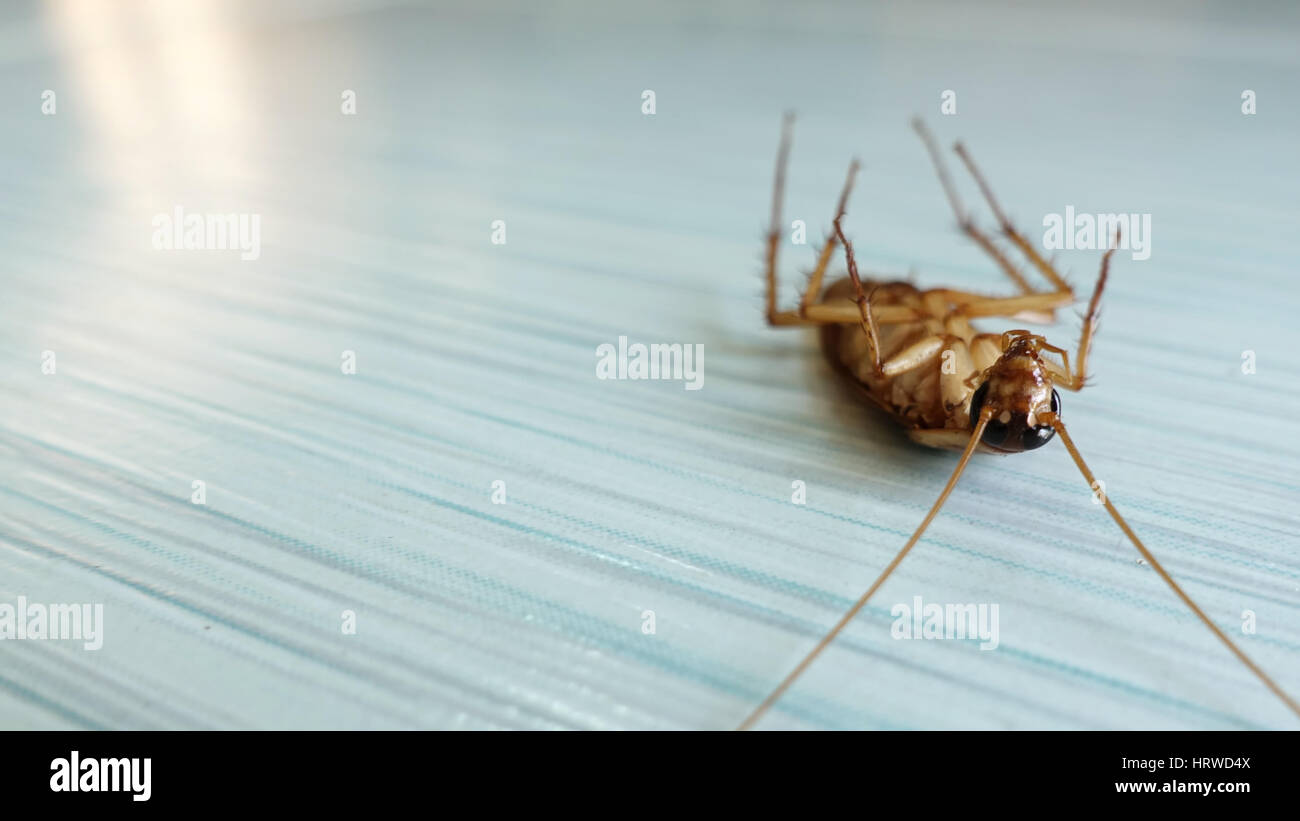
column 928, row 361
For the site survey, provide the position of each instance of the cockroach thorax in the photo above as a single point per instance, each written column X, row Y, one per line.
column 1018, row 390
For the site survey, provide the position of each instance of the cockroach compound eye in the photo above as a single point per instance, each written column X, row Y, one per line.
column 915, row 355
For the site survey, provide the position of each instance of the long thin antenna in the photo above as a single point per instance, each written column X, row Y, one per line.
column 1056, row 423
column 776, row 694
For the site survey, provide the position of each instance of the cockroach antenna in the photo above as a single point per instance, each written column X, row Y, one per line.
column 1001, row 395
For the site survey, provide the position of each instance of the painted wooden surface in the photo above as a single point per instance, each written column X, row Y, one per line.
column 371, row 492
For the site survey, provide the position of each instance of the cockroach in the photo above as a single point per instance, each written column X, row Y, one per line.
column 915, row 355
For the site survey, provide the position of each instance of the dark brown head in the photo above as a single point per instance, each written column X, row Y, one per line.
column 1018, row 391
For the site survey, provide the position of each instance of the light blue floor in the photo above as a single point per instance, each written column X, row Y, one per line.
column 372, row 492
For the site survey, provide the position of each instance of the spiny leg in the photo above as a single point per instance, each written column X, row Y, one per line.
column 1090, row 320
column 803, row 314
column 814, row 287
column 774, row 230
column 963, row 219
column 863, row 300
column 1008, row 229
column 1075, row 380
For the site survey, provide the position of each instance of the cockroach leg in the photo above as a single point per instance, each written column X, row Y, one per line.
column 1064, row 377
column 807, row 312
column 956, row 297
column 984, row 351
column 841, row 311
column 1044, row 267
column 943, row 438
column 1080, row 376
column 814, row 287
column 1012, row 305
column 866, row 315
column 982, row 374
column 914, row 355
column 774, row 229
column 963, row 219
column 954, row 391
column 1059, row 372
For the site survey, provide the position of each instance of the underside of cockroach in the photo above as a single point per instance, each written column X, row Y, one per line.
column 915, row 355
column 944, row 371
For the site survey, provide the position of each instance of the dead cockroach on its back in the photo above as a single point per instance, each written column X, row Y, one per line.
column 915, row 355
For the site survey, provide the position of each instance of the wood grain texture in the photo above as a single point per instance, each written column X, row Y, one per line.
column 372, row 492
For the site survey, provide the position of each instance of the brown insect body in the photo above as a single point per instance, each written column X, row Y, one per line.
column 946, row 361
column 1019, row 387
column 915, row 397
column 936, row 393
column 915, row 355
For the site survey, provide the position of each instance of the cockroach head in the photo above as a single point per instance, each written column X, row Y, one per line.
column 1017, row 391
